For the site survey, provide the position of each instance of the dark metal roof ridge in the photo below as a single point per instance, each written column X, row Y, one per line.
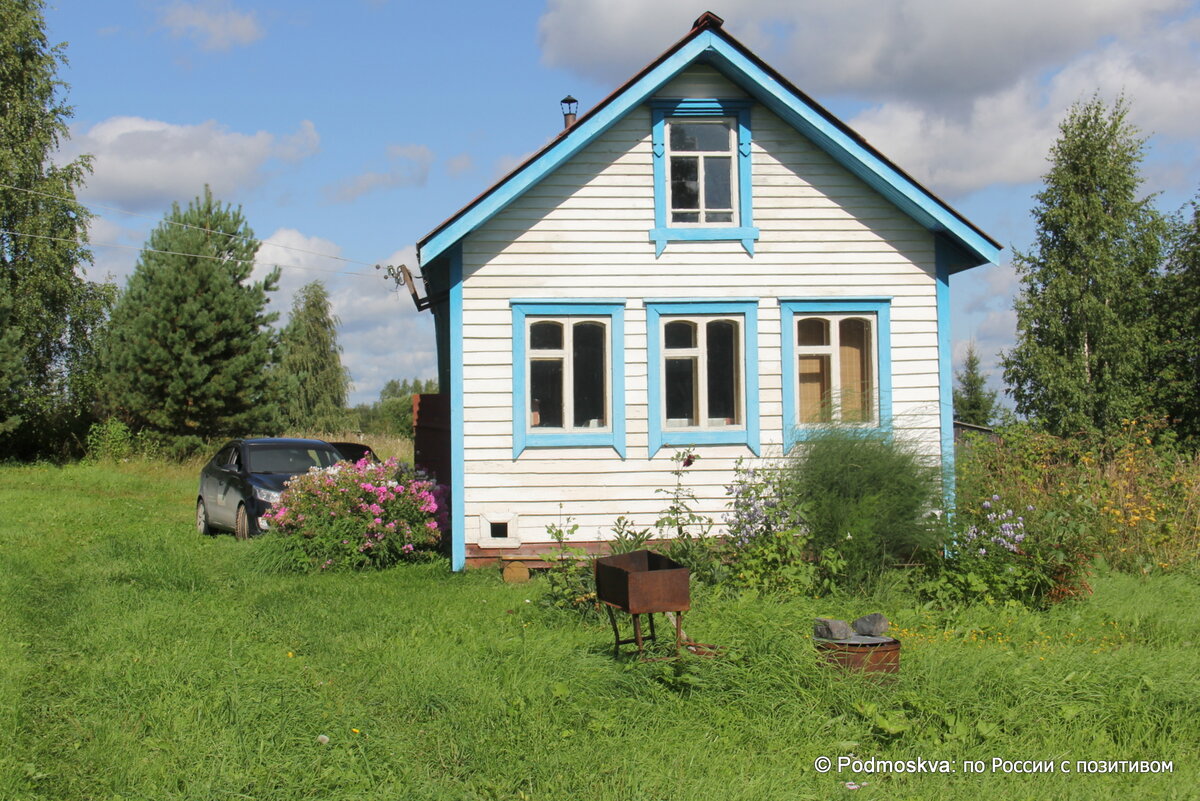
column 707, row 22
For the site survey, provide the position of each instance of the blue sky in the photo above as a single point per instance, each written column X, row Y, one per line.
column 347, row 131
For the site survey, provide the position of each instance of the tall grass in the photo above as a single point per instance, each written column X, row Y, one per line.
column 139, row 660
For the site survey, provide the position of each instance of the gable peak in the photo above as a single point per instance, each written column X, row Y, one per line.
column 707, row 20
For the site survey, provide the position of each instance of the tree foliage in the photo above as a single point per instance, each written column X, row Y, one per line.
column 392, row 413
column 1178, row 304
column 974, row 403
column 190, row 345
column 50, row 312
column 1085, row 324
column 315, row 382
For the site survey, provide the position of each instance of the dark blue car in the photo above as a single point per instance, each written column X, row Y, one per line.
column 246, row 477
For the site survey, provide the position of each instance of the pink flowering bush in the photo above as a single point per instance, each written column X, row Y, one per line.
column 363, row 515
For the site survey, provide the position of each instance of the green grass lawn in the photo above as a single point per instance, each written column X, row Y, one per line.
column 139, row 660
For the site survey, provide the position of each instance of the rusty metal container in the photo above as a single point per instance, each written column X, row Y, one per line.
column 643, row 582
column 868, row 654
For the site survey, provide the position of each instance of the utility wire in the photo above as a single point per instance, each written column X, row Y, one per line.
column 66, row 199
column 353, row 274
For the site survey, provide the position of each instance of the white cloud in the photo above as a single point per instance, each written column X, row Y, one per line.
column 462, row 163
column 962, row 95
column 213, row 25
column 143, row 164
column 903, row 48
column 1003, row 137
column 409, row 167
column 381, row 333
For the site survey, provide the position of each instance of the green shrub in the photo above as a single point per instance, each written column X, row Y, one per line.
column 109, row 441
column 365, row 515
column 865, row 500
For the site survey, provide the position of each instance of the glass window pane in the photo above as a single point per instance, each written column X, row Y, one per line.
column 718, row 216
column 587, row 347
column 815, row 398
column 546, row 335
column 812, row 332
column 546, row 393
column 685, row 216
column 718, row 191
column 700, row 136
column 681, row 392
column 679, row 334
column 723, row 390
column 857, row 391
column 685, row 182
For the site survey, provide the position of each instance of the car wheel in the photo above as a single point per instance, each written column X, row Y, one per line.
column 241, row 527
column 202, row 518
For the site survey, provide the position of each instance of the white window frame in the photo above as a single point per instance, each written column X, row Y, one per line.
column 834, row 351
column 731, row 153
column 566, row 354
column 699, row 352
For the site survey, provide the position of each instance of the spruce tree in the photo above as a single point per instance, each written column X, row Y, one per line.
column 53, row 313
column 311, row 364
column 973, row 402
column 190, row 346
column 1085, row 324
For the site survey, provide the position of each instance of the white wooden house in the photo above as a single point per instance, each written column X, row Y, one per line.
column 705, row 259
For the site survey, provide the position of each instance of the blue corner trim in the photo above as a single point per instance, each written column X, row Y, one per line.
column 943, row 251
column 881, row 307
column 658, row 434
column 458, row 501
column 912, row 199
column 662, row 233
column 614, row 437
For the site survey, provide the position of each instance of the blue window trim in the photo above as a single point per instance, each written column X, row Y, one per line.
column 793, row 432
column 748, row 433
column 614, row 437
column 662, row 233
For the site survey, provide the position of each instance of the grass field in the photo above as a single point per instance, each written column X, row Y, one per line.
column 139, row 660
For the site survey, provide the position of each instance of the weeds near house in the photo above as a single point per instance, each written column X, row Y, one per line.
column 1133, row 499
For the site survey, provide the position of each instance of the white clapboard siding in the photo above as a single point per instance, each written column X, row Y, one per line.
column 582, row 233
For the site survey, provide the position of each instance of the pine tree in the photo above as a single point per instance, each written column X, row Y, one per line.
column 311, row 362
column 973, row 402
column 53, row 313
column 190, row 346
column 1085, row 325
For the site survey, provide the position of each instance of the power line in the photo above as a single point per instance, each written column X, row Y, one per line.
column 187, row 255
column 260, row 242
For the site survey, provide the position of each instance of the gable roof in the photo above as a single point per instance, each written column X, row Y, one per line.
column 708, row 43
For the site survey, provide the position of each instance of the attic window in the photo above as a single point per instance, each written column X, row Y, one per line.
column 701, row 184
column 702, row 181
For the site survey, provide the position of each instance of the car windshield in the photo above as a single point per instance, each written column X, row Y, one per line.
column 289, row 458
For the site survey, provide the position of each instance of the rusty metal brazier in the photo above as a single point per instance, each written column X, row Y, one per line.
column 642, row 583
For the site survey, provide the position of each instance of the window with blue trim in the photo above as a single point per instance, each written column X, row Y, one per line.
column 702, row 172
column 703, row 373
column 837, row 365
column 568, row 378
